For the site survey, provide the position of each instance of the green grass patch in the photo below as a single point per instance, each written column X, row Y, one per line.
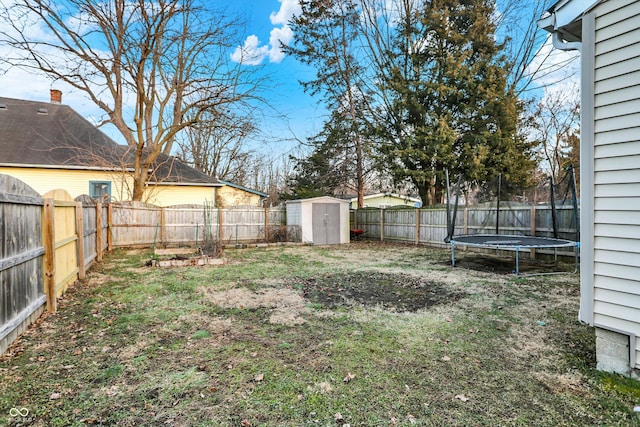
column 364, row 334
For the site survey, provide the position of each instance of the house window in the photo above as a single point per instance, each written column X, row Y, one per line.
column 100, row 189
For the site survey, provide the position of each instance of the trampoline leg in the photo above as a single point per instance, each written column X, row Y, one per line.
column 517, row 260
column 453, row 254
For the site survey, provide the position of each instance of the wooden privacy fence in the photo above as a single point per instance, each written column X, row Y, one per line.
column 140, row 225
column 43, row 237
column 48, row 242
column 429, row 226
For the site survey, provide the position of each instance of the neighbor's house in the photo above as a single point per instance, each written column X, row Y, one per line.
column 608, row 35
column 386, row 200
column 50, row 146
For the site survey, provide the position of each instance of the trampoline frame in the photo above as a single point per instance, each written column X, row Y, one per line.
column 497, row 241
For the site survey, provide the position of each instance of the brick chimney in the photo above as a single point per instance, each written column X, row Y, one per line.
column 56, row 96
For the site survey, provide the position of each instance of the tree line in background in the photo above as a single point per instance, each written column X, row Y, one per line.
column 412, row 88
column 419, row 87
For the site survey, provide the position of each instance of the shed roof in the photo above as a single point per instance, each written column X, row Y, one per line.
column 318, row 199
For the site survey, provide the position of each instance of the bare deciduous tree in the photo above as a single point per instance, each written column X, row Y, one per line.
column 216, row 147
column 556, row 123
column 154, row 68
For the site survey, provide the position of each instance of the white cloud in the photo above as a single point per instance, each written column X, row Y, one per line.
column 555, row 70
column 252, row 53
column 288, row 8
column 279, row 35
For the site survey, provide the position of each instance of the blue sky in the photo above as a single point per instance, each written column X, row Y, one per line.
column 294, row 114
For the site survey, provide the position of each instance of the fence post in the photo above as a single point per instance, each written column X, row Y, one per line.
column 417, row 226
column 163, row 226
column 266, row 225
column 382, row 224
column 465, row 218
column 48, row 237
column 109, row 227
column 80, row 241
column 99, row 231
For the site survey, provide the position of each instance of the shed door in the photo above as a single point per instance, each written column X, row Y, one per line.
column 326, row 223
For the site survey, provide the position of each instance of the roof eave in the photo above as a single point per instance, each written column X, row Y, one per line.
column 564, row 17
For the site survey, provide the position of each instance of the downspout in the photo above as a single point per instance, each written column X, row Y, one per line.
column 559, row 43
column 556, row 35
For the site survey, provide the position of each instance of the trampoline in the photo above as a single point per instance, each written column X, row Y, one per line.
column 516, row 242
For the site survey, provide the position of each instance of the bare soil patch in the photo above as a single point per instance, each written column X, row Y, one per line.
column 391, row 291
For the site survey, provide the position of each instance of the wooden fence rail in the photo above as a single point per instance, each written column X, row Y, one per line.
column 139, row 225
column 429, row 226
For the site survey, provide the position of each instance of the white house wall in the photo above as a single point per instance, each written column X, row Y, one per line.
column 616, row 169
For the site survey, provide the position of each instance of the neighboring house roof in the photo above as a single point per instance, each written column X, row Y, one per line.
column 242, row 187
column 392, row 195
column 49, row 135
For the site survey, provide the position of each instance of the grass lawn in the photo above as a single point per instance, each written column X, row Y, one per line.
column 353, row 335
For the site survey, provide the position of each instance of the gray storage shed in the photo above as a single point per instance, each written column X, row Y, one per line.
column 321, row 220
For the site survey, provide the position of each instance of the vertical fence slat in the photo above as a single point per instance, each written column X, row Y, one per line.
column 109, row 229
column 99, row 231
column 80, row 241
column 48, row 237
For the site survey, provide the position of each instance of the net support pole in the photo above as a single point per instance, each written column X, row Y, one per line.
column 449, row 233
column 574, row 197
column 554, row 216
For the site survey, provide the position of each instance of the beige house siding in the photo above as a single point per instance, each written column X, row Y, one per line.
column 383, row 200
column 230, row 196
column 616, row 169
column 171, row 195
column 75, row 182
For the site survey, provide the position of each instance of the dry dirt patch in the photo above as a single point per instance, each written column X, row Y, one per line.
column 286, row 305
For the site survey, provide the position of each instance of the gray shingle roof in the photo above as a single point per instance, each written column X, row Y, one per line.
column 43, row 134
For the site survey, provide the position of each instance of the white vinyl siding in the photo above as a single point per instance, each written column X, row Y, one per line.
column 616, row 168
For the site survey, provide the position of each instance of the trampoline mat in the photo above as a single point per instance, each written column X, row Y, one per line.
column 496, row 240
